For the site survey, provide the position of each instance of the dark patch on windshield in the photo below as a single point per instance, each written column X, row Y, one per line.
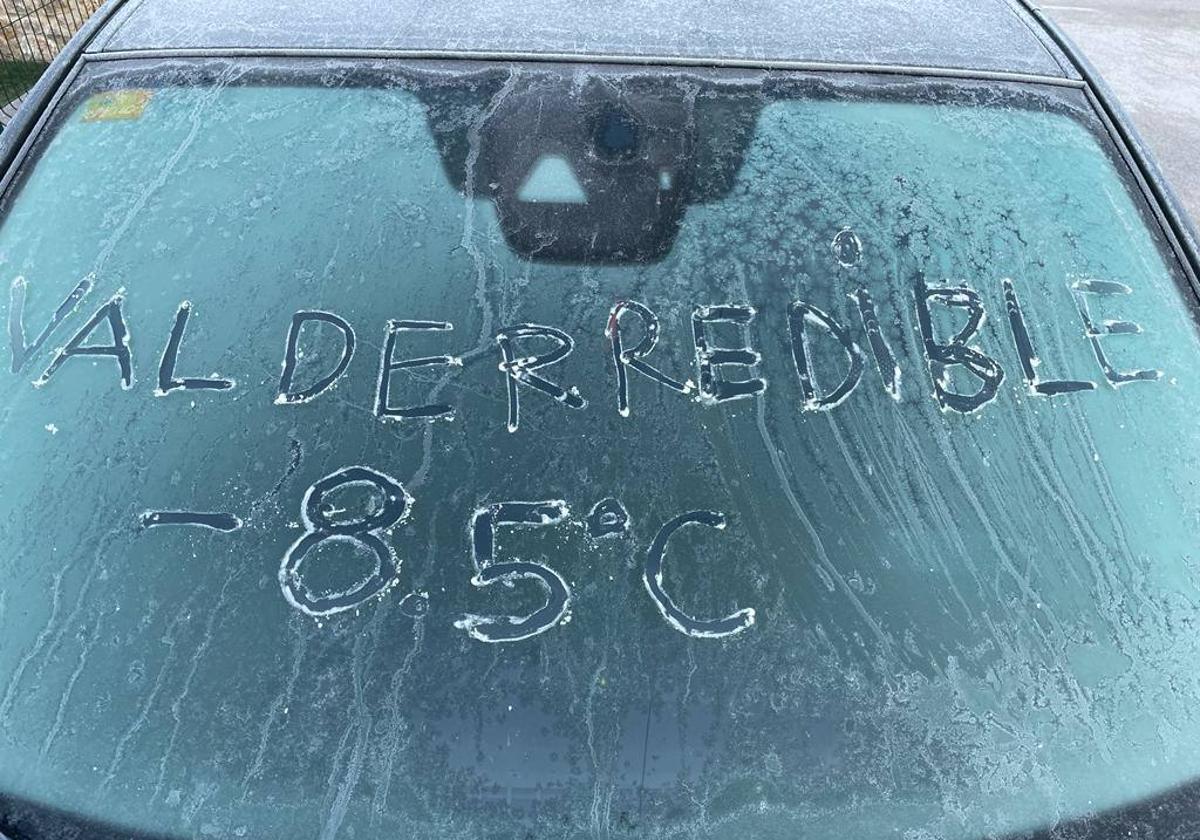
column 216, row 521
column 608, row 518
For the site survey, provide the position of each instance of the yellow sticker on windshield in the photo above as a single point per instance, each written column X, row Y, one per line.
column 116, row 105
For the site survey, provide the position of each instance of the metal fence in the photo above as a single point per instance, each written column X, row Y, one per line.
column 31, row 33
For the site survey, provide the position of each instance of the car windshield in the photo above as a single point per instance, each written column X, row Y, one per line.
column 455, row 450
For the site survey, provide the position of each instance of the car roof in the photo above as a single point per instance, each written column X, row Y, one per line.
column 973, row 36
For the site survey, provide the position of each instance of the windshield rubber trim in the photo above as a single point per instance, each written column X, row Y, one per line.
column 586, row 58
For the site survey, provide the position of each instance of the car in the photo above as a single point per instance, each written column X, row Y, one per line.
column 561, row 420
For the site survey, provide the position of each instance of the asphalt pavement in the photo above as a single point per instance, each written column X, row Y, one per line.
column 1149, row 53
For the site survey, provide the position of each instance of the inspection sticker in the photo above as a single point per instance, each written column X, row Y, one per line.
column 116, row 105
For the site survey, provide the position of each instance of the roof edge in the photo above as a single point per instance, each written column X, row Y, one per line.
column 583, row 57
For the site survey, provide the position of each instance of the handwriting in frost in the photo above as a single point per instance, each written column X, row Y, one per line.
column 526, row 352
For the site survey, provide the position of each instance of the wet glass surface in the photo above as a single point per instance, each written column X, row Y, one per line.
column 445, row 451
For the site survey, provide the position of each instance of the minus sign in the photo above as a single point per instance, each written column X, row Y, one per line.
column 216, row 521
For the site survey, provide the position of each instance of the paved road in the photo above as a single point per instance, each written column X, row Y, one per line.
column 1149, row 53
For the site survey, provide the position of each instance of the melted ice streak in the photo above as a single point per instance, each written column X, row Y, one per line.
column 361, row 726
column 60, row 715
column 278, row 706
column 143, row 714
column 177, row 703
column 197, row 119
column 834, row 579
column 484, row 340
column 392, row 743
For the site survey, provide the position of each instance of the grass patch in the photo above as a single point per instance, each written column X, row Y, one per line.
column 16, row 77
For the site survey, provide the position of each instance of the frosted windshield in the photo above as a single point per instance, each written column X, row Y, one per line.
column 434, row 451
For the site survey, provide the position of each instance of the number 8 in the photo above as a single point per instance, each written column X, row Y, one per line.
column 395, row 507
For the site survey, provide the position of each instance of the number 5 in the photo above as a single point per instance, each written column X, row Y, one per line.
column 483, row 543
